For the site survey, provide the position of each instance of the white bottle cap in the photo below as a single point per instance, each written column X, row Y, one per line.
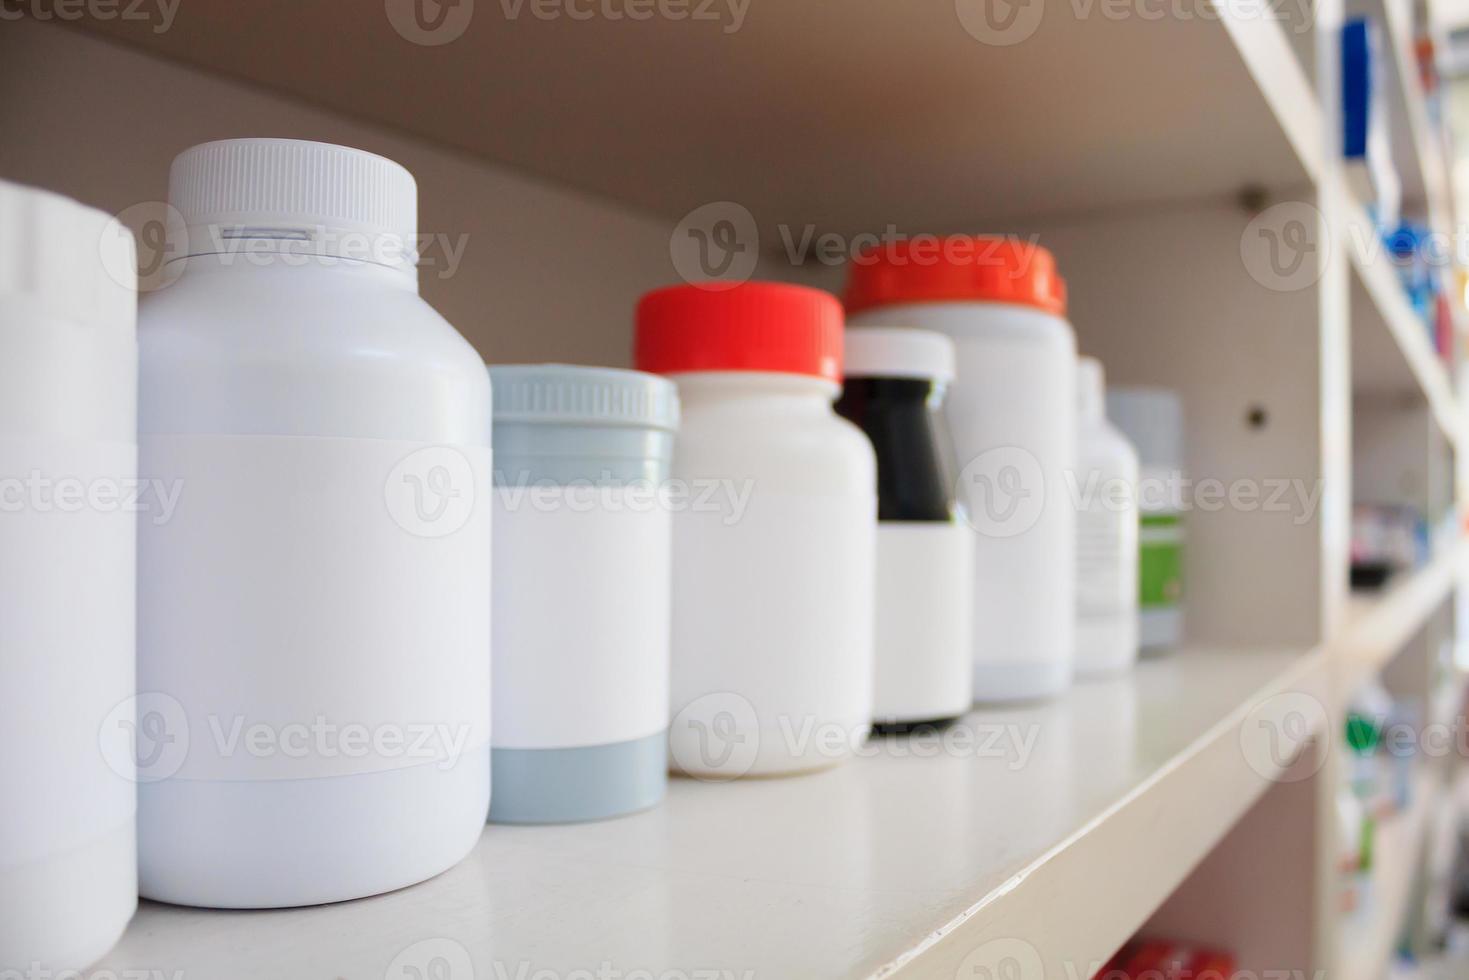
column 1091, row 388
column 74, row 262
column 898, row 352
column 320, row 198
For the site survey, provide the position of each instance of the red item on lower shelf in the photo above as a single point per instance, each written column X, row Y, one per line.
column 1155, row 959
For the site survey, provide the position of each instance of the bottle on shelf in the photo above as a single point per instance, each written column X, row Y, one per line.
column 1012, row 413
column 68, row 711
column 1106, row 534
column 894, row 390
column 315, row 614
column 773, row 543
column 581, row 591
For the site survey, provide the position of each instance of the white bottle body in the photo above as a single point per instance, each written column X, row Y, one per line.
column 925, row 594
column 1106, row 551
column 1011, row 412
column 773, row 565
column 68, row 455
column 314, row 613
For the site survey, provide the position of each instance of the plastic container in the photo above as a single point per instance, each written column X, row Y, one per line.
column 774, row 527
column 1152, row 420
column 1012, row 413
column 894, row 391
column 581, row 595
column 315, row 611
column 1106, row 534
column 68, row 466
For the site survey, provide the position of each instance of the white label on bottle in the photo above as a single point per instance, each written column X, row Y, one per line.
column 581, row 616
column 776, row 606
column 314, row 607
column 68, row 510
column 1105, row 547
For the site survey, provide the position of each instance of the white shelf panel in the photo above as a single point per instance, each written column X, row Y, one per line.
column 848, row 117
column 1419, row 157
column 1378, row 624
column 890, row 864
column 1391, row 352
column 1370, row 934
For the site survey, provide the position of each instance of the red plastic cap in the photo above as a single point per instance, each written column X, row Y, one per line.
column 930, row 269
column 753, row 326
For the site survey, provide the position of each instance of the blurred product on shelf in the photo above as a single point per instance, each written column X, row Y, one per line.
column 1157, row 959
column 894, row 391
column 1425, row 270
column 581, row 591
column 68, row 413
column 313, row 619
column 1354, row 851
column 773, row 553
column 1106, row 533
column 1152, row 419
column 1012, row 414
column 1366, row 143
column 1386, row 539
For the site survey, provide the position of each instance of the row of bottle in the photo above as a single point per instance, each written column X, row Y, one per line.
column 304, row 468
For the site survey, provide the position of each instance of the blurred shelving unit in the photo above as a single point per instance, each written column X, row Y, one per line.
column 1399, row 848
column 1162, row 160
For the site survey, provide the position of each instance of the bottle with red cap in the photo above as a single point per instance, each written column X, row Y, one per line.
column 775, row 518
column 1011, row 412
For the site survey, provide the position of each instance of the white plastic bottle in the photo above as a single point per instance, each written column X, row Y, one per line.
column 1012, row 414
column 314, row 621
column 1106, row 533
column 68, row 458
column 775, row 519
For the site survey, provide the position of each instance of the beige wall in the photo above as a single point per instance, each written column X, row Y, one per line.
column 546, row 274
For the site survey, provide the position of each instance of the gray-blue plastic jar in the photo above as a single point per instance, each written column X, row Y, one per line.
column 581, row 591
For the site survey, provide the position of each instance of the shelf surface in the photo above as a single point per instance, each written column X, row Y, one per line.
column 894, row 861
column 1378, row 624
column 846, row 117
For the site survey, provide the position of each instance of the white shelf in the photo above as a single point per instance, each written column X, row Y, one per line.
column 1391, row 352
column 1370, row 934
column 886, row 865
column 1377, row 625
column 849, row 117
column 1419, row 158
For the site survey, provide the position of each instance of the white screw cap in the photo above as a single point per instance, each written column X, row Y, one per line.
column 340, row 200
column 898, row 352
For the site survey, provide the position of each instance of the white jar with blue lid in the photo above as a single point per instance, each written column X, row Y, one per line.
column 581, row 591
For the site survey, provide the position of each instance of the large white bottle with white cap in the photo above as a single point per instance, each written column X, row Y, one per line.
column 68, row 457
column 1106, row 533
column 313, row 622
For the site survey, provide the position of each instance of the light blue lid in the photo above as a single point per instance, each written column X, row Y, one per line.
column 564, row 422
column 569, row 393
